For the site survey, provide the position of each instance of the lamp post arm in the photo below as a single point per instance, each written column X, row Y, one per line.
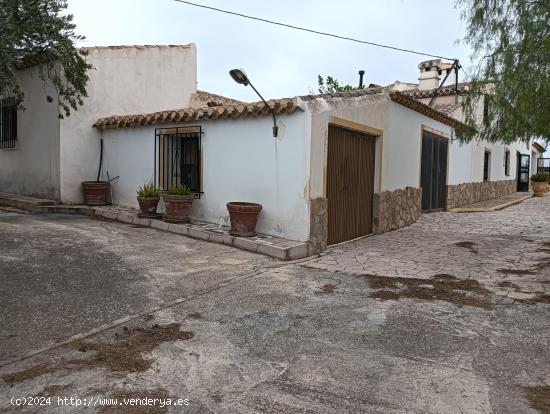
column 275, row 127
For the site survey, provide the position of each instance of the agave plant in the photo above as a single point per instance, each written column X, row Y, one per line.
column 180, row 189
column 148, row 190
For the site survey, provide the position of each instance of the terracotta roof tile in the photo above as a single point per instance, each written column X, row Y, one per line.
column 447, row 109
column 201, row 99
column 405, row 99
column 444, row 91
column 241, row 110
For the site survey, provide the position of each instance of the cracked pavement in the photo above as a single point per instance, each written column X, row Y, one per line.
column 448, row 315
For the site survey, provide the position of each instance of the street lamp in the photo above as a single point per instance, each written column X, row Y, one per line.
column 240, row 77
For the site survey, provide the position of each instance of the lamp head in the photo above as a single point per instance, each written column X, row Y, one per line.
column 239, row 76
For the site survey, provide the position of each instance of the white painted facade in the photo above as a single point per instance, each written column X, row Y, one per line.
column 32, row 167
column 52, row 157
column 241, row 161
column 398, row 142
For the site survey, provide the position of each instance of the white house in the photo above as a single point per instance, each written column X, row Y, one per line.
column 343, row 165
column 50, row 157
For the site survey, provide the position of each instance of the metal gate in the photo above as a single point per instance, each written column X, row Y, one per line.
column 350, row 184
column 434, row 171
column 523, row 171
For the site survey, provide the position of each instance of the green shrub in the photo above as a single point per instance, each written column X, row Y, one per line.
column 180, row 189
column 148, row 190
column 540, row 177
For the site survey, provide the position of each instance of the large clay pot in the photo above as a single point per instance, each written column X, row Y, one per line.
column 96, row 193
column 244, row 217
column 539, row 188
column 148, row 206
column 177, row 207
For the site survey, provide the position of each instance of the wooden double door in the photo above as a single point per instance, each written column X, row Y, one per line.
column 433, row 175
column 350, row 183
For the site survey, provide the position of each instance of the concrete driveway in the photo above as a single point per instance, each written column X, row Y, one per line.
column 449, row 315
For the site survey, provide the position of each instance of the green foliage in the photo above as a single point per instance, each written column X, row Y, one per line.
column 511, row 40
column 39, row 31
column 180, row 189
column 541, row 177
column 331, row 85
column 148, row 190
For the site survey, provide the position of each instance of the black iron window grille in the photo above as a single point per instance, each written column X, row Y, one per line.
column 178, row 158
column 543, row 165
column 8, row 123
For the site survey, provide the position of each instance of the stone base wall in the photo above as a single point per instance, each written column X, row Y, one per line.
column 468, row 193
column 395, row 209
column 318, row 225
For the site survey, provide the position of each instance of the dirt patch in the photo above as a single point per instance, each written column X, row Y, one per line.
column 537, row 297
column 516, row 271
column 327, row 288
column 539, row 397
column 124, row 354
column 541, row 264
column 194, row 315
column 473, row 247
column 53, row 390
column 462, row 292
column 29, row 373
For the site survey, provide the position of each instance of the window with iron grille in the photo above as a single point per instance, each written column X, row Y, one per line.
column 178, row 157
column 8, row 123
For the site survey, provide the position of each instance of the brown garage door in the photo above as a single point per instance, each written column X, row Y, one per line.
column 350, row 184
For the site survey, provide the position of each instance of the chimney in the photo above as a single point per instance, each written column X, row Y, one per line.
column 430, row 71
column 361, row 74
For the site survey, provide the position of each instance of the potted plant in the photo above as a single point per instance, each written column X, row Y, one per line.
column 177, row 202
column 148, row 197
column 539, row 181
column 243, row 217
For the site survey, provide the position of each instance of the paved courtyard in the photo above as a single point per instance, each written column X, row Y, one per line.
column 449, row 315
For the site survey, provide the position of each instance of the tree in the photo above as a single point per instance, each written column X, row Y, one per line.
column 39, row 31
column 511, row 40
column 332, row 85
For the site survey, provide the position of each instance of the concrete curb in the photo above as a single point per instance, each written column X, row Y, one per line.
column 298, row 250
column 489, row 209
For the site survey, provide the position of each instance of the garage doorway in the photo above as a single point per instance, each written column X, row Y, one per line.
column 350, row 183
column 433, row 175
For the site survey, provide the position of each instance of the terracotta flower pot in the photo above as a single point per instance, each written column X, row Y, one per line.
column 148, row 206
column 244, row 217
column 177, row 207
column 96, row 193
column 539, row 188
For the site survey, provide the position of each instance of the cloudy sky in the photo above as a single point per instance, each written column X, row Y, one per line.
column 282, row 62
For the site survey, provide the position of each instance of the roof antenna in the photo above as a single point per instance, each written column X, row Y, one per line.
column 361, row 74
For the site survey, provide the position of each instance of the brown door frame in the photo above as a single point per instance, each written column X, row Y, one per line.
column 357, row 227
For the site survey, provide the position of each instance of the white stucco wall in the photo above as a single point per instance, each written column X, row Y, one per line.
column 32, row 168
column 403, row 146
column 241, row 162
column 126, row 80
column 397, row 152
column 466, row 160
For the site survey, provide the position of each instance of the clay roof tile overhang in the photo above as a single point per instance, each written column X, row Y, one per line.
column 444, row 91
column 431, row 112
column 256, row 109
column 242, row 110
